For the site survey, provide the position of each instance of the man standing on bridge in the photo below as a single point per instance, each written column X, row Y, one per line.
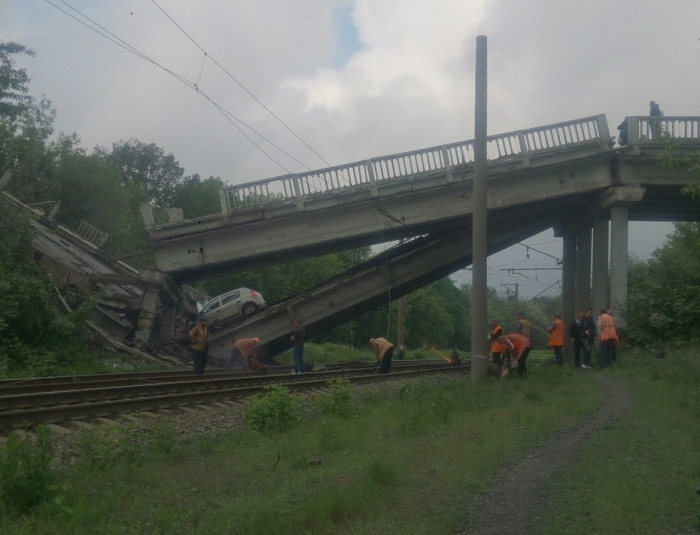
column 384, row 350
column 654, row 123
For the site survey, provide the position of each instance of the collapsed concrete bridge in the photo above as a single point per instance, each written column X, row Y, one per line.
column 569, row 176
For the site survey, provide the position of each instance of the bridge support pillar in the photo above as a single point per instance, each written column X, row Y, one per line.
column 568, row 277
column 599, row 297
column 167, row 324
column 583, row 270
column 144, row 325
column 618, row 262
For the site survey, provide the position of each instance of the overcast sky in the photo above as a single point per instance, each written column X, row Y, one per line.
column 353, row 79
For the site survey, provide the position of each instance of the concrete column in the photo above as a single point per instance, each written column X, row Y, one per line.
column 144, row 325
column 599, row 298
column 568, row 277
column 618, row 262
column 583, row 270
column 167, row 324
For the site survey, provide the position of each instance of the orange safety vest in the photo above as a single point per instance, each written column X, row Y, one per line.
column 519, row 343
column 496, row 346
column 609, row 332
column 556, row 337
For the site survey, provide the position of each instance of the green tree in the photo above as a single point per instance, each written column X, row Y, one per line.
column 25, row 128
column 146, row 166
column 14, row 83
column 90, row 189
column 34, row 333
column 664, row 292
column 197, row 197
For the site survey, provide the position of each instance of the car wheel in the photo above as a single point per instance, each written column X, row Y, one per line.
column 249, row 309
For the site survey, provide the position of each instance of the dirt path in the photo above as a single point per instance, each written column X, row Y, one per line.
column 494, row 513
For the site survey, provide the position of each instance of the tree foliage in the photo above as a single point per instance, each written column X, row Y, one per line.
column 664, row 292
column 146, row 166
column 14, row 83
column 34, row 333
column 197, row 197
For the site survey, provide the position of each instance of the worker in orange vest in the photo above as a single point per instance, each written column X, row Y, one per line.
column 496, row 347
column 608, row 338
column 557, row 336
column 516, row 346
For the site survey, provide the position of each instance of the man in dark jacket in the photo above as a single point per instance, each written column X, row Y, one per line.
column 576, row 337
column 588, row 338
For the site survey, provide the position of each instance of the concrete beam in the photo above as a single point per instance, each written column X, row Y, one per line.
column 264, row 240
column 396, row 273
column 600, row 296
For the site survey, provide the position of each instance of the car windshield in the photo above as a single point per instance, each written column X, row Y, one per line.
column 212, row 305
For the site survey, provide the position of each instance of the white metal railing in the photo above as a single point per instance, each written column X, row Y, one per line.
column 519, row 145
column 645, row 129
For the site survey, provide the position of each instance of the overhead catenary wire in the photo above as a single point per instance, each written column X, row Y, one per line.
column 235, row 121
column 244, row 88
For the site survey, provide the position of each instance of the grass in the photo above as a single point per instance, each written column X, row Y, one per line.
column 404, row 460
column 641, row 473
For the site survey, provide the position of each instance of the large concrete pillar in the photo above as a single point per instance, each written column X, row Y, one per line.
column 144, row 325
column 568, row 277
column 618, row 261
column 599, row 297
column 583, row 270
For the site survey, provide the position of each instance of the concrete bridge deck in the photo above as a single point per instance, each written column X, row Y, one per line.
column 565, row 167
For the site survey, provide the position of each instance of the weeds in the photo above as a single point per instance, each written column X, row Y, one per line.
column 338, row 400
column 412, row 390
column 276, row 410
column 104, row 445
column 26, row 476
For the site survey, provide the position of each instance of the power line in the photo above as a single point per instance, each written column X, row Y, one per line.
column 105, row 33
column 206, row 54
column 528, row 247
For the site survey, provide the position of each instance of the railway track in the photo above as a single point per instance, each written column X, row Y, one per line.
column 25, row 404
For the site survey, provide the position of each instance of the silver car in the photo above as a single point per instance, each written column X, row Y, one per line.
column 241, row 302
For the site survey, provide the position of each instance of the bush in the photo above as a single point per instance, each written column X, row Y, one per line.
column 277, row 410
column 26, row 477
column 338, row 400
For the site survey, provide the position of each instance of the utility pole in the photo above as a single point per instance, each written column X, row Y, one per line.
column 480, row 346
column 399, row 323
column 517, row 305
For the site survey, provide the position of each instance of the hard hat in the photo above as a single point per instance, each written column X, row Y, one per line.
column 256, row 340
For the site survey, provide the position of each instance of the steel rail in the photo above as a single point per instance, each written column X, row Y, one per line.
column 33, row 416
column 84, row 382
column 76, row 379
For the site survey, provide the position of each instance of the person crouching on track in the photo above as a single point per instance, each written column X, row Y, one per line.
column 243, row 353
column 385, row 350
column 518, row 347
column 199, row 336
